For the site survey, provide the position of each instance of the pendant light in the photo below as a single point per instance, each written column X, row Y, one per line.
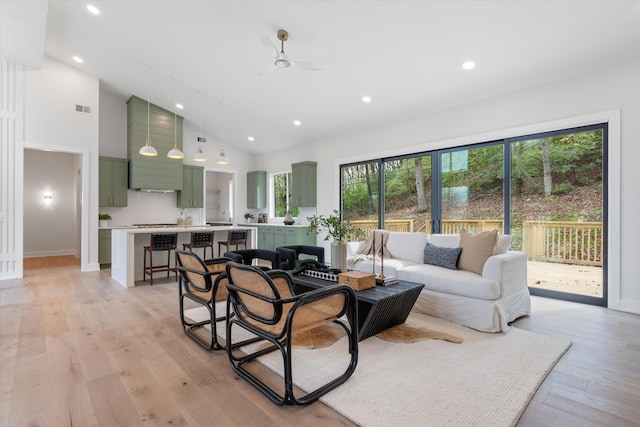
column 200, row 156
column 175, row 153
column 222, row 158
column 147, row 149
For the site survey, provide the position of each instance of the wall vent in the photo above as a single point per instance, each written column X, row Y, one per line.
column 85, row 109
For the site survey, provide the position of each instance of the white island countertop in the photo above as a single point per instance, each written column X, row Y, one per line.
column 127, row 246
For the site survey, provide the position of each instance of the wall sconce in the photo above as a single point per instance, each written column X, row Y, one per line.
column 48, row 198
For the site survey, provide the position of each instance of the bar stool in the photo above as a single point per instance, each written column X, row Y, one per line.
column 160, row 242
column 200, row 239
column 236, row 238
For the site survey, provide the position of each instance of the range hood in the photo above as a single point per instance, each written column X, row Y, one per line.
column 158, row 174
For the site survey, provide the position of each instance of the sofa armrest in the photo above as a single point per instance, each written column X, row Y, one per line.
column 508, row 269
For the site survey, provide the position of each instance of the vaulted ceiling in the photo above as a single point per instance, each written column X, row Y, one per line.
column 406, row 55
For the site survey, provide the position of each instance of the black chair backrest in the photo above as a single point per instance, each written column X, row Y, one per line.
column 201, row 239
column 237, row 237
column 164, row 241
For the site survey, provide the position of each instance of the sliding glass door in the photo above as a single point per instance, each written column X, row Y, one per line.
column 472, row 189
column 557, row 211
column 546, row 190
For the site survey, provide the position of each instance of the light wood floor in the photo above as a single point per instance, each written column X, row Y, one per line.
column 78, row 349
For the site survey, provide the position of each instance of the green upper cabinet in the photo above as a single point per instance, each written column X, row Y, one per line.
column 113, row 181
column 160, row 172
column 191, row 195
column 256, row 190
column 303, row 186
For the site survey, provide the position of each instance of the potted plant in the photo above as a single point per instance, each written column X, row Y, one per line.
column 248, row 216
column 339, row 230
column 104, row 219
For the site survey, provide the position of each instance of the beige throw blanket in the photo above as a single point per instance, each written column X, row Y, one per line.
column 367, row 252
column 380, row 249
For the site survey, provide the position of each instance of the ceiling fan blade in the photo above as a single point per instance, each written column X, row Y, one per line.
column 267, row 70
column 308, row 65
column 268, row 44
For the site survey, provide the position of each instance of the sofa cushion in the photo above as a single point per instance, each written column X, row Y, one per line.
column 476, row 249
column 444, row 257
column 460, row 282
column 445, row 240
column 406, row 245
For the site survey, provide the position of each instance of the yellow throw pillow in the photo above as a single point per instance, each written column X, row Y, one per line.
column 476, row 249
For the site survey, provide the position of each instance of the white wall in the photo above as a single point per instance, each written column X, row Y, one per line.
column 50, row 224
column 51, row 123
column 572, row 102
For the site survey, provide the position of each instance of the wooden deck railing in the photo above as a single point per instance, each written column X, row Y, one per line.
column 551, row 241
column 392, row 225
column 566, row 242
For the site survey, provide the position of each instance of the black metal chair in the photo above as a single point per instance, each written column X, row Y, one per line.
column 200, row 239
column 203, row 282
column 290, row 256
column 247, row 256
column 234, row 238
column 160, row 243
column 263, row 303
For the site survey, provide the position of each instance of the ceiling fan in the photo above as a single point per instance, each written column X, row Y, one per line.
column 281, row 58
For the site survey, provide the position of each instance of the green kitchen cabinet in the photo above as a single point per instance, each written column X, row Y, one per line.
column 265, row 238
column 276, row 236
column 104, row 247
column 192, row 193
column 256, row 190
column 113, row 181
column 303, row 186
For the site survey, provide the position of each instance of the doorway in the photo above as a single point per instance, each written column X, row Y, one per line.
column 219, row 197
column 52, row 209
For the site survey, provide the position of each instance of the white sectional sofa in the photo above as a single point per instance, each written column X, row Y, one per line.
column 486, row 300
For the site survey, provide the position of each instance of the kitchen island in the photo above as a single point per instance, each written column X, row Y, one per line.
column 127, row 247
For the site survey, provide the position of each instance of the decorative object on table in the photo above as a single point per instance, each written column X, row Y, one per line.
column 357, row 280
column 104, row 220
column 381, row 279
column 248, row 217
column 262, row 218
column 313, row 268
column 288, row 218
column 339, row 230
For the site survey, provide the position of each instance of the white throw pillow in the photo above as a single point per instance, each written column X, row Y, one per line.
column 445, row 240
column 406, row 245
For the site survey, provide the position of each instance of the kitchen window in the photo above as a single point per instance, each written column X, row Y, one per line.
column 280, row 195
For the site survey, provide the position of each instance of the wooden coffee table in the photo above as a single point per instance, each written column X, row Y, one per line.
column 379, row 308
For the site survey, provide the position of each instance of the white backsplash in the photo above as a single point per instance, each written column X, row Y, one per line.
column 151, row 208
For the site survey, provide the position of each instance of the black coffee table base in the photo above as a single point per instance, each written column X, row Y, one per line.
column 379, row 308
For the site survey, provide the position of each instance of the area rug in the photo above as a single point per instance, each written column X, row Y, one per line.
column 487, row 380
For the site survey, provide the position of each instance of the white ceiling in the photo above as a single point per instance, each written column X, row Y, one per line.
column 406, row 55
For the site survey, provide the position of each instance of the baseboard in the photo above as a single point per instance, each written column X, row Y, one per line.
column 57, row 252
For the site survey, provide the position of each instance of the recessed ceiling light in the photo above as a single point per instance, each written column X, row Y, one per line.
column 91, row 8
column 179, row 106
column 468, row 65
column 297, row 122
column 78, row 59
column 251, row 138
column 366, row 99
